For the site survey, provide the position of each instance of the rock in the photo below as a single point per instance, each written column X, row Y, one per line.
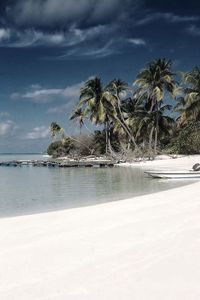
column 196, row 167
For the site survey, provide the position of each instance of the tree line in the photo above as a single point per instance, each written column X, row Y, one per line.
column 138, row 119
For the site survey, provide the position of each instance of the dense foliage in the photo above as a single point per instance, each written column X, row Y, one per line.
column 139, row 119
column 60, row 148
column 187, row 140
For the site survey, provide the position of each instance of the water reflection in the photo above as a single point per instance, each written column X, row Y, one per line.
column 29, row 190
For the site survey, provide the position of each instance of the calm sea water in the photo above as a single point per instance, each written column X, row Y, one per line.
column 28, row 190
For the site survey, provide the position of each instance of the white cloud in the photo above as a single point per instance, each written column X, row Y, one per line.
column 93, row 52
column 41, row 132
column 7, row 128
column 84, row 28
column 76, row 36
column 30, row 38
column 4, row 34
column 193, row 30
column 169, row 17
column 176, row 18
column 4, row 114
column 95, row 41
column 67, row 38
column 40, row 95
column 137, row 42
column 58, row 109
column 36, row 86
column 71, row 96
column 73, row 91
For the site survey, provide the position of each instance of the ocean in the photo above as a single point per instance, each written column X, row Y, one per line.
column 29, row 190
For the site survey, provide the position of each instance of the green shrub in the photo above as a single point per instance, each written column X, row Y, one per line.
column 60, row 148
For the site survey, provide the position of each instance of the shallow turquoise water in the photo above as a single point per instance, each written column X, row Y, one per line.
column 27, row 190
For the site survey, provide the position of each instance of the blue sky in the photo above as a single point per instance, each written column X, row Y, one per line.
column 48, row 48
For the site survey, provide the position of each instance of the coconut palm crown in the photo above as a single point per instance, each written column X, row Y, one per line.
column 94, row 102
column 154, row 81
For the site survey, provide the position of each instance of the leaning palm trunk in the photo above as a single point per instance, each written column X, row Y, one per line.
column 123, row 122
column 127, row 132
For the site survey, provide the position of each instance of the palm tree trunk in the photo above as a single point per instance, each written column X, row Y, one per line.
column 106, row 132
column 128, row 132
column 156, row 141
column 125, row 127
column 128, row 145
column 150, row 141
column 109, row 139
column 156, row 134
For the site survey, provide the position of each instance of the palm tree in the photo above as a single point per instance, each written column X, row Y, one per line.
column 153, row 82
column 95, row 104
column 55, row 129
column 147, row 122
column 114, row 90
column 79, row 115
column 189, row 104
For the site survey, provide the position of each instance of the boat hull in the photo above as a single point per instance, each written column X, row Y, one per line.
column 174, row 175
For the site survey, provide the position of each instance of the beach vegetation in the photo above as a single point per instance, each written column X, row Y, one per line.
column 188, row 105
column 160, row 113
column 60, row 148
column 186, row 140
column 153, row 82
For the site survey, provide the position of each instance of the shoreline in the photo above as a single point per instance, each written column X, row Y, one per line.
column 146, row 247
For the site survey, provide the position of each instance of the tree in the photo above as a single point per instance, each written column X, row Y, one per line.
column 153, row 82
column 94, row 103
column 189, row 104
column 55, row 129
column 187, row 139
column 147, row 122
column 113, row 90
column 60, row 148
column 79, row 115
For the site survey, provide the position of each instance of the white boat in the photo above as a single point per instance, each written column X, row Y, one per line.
column 174, row 174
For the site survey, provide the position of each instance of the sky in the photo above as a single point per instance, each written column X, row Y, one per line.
column 49, row 48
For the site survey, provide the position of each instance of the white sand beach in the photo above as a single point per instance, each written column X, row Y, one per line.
column 141, row 248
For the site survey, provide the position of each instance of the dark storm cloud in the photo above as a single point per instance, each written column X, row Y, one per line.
column 89, row 28
column 86, row 28
column 61, row 13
